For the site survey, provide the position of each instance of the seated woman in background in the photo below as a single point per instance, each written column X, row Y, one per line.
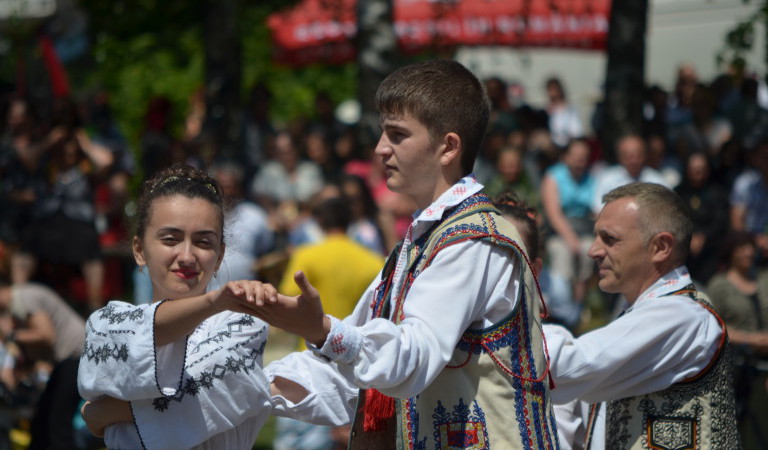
column 566, row 194
column 183, row 371
column 740, row 296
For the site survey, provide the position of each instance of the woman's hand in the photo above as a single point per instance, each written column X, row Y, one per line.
column 103, row 412
column 242, row 296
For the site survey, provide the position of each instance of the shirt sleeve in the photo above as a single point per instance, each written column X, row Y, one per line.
column 660, row 342
column 332, row 398
column 572, row 419
column 119, row 355
column 469, row 284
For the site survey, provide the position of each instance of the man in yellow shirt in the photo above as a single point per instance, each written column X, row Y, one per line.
column 341, row 269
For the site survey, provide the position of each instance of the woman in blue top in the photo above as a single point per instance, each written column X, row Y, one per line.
column 567, row 190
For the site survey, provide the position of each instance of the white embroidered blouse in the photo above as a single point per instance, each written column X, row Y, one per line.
column 208, row 392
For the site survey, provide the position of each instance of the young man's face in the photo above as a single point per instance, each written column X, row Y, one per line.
column 622, row 256
column 411, row 160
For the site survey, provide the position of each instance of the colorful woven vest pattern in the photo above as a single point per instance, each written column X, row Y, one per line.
column 494, row 393
column 698, row 413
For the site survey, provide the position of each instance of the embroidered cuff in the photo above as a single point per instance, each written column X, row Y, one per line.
column 342, row 344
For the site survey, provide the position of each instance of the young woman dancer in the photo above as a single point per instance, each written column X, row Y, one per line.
column 183, row 371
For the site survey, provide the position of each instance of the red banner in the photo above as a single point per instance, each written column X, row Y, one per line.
column 324, row 30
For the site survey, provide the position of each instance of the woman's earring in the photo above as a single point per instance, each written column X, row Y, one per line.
column 141, row 269
column 215, row 274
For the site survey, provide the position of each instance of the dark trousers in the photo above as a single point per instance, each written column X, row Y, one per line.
column 51, row 426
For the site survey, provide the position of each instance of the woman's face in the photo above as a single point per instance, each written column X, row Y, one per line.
column 577, row 159
column 743, row 257
column 510, row 166
column 182, row 246
column 70, row 154
column 286, row 153
column 317, row 149
column 698, row 170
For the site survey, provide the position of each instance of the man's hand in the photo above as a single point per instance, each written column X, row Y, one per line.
column 301, row 315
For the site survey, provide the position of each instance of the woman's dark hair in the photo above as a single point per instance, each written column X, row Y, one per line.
column 510, row 205
column 65, row 112
column 733, row 241
column 370, row 209
column 178, row 179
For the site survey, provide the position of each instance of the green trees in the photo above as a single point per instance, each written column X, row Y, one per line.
column 142, row 48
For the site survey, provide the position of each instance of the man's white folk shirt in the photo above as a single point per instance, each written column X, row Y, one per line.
column 402, row 360
column 658, row 341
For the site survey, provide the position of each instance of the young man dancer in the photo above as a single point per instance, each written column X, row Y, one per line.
column 444, row 349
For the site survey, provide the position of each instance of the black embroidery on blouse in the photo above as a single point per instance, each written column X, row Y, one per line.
column 105, row 352
column 233, row 364
column 193, row 385
column 108, row 312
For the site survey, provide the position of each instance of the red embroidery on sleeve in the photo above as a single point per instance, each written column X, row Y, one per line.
column 336, row 344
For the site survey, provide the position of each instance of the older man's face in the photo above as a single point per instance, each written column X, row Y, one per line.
column 622, row 256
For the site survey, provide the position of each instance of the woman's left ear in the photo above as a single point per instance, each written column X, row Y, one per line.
column 138, row 252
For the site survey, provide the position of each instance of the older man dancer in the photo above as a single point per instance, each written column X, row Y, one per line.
column 662, row 368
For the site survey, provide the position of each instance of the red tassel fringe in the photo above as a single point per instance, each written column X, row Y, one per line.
column 378, row 408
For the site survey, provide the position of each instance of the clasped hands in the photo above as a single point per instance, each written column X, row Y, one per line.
column 301, row 315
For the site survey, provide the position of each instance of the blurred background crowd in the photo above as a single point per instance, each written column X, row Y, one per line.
column 66, row 172
column 305, row 190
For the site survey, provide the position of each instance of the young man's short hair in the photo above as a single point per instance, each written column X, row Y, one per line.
column 445, row 97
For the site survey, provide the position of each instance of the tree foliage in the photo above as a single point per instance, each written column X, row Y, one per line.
column 741, row 39
column 143, row 48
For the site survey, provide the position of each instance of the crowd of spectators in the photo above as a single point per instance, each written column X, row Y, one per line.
column 66, row 172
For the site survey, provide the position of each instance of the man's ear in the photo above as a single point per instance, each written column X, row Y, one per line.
column 138, row 251
column 662, row 245
column 451, row 148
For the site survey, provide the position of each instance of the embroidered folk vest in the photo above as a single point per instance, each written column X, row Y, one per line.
column 697, row 413
column 494, row 392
